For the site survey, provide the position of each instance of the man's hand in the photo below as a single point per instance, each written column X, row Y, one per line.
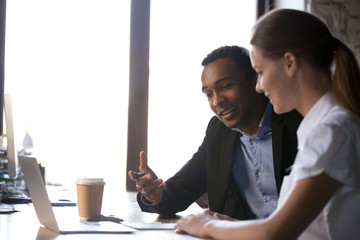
column 147, row 183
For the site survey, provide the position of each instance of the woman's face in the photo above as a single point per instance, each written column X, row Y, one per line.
column 274, row 80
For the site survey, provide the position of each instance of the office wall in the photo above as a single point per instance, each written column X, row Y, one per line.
column 343, row 18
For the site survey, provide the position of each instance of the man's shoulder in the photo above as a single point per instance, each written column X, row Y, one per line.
column 215, row 122
column 217, row 126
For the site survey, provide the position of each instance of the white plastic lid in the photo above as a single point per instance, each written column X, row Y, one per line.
column 90, row 181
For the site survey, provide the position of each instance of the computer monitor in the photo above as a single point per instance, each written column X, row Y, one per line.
column 2, row 59
column 2, row 67
column 11, row 152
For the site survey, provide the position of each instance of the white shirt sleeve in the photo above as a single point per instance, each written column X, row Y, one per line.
column 330, row 149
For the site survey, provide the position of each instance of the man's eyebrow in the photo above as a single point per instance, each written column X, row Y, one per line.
column 217, row 82
column 204, row 88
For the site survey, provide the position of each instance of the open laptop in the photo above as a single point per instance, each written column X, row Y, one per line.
column 44, row 211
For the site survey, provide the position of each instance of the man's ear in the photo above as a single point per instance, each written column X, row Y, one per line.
column 291, row 63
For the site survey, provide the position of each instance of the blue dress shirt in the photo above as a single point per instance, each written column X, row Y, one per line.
column 253, row 169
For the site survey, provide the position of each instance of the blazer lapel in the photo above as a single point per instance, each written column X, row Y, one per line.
column 277, row 145
column 227, row 157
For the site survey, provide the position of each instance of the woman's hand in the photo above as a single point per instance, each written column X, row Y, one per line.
column 196, row 225
column 219, row 216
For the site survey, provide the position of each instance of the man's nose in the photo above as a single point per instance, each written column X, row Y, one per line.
column 218, row 100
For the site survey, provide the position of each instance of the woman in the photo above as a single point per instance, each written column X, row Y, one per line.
column 301, row 66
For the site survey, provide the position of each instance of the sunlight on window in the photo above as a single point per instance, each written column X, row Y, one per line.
column 67, row 72
column 66, row 67
column 182, row 33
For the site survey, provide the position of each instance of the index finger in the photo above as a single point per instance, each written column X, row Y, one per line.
column 144, row 168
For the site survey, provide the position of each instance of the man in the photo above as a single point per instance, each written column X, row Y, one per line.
column 244, row 155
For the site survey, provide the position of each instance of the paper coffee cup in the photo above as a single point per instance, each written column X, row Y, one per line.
column 89, row 195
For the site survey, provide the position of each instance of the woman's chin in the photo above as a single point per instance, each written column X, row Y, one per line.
column 281, row 110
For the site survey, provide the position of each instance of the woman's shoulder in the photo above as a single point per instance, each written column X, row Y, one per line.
column 339, row 116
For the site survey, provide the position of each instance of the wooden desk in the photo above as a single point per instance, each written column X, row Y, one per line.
column 25, row 225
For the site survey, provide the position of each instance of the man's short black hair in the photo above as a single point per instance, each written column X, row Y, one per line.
column 238, row 54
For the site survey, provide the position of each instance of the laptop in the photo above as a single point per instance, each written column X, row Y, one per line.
column 45, row 213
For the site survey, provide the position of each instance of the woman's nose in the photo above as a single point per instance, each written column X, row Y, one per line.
column 258, row 86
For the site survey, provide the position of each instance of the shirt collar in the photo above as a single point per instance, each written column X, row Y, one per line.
column 264, row 126
column 315, row 115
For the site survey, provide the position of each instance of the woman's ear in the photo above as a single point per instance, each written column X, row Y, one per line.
column 291, row 64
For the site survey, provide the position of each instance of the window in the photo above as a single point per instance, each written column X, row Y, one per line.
column 66, row 67
column 182, row 33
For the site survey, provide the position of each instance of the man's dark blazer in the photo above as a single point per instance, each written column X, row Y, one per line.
column 209, row 170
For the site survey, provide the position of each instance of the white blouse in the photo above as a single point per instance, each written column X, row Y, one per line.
column 329, row 141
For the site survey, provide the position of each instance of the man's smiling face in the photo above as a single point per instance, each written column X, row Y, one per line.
column 229, row 93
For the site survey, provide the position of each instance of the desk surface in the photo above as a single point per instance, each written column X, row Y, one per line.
column 25, row 225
